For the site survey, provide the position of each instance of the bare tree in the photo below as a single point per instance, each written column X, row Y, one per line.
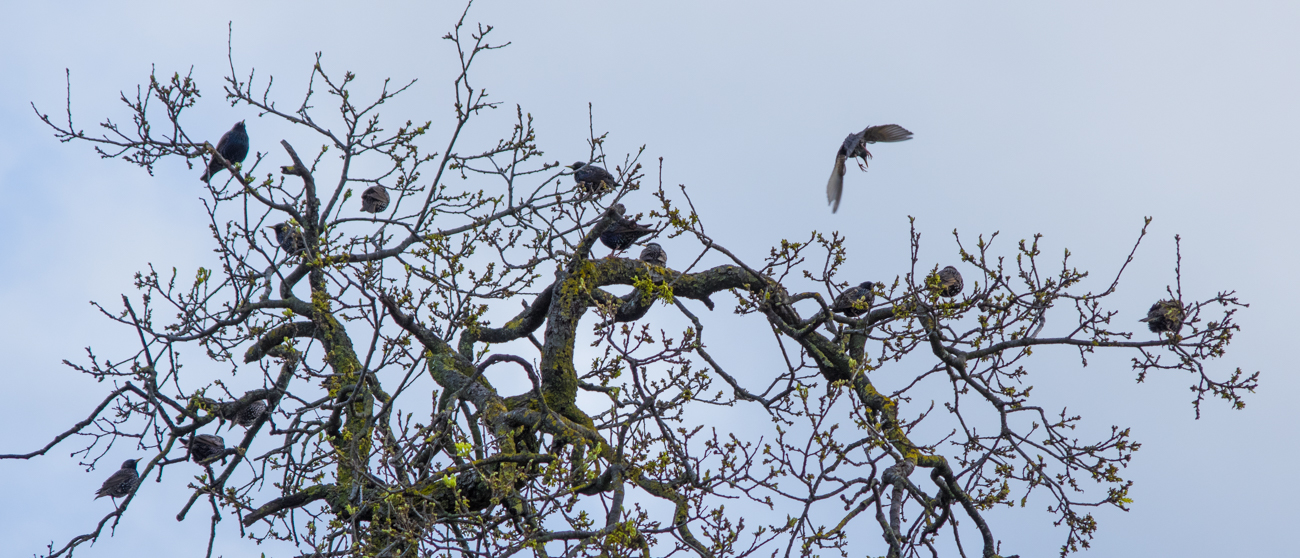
column 385, row 432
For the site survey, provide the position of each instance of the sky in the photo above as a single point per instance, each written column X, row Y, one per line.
column 1073, row 120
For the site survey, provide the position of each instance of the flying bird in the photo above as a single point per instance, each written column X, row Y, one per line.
column 855, row 146
column 289, row 238
column 622, row 233
column 121, row 483
column 591, row 178
column 654, row 254
column 233, row 146
column 374, row 199
column 1165, row 315
column 855, row 301
column 950, row 283
column 204, row 447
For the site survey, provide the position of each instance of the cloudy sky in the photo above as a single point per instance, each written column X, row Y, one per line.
column 1074, row 120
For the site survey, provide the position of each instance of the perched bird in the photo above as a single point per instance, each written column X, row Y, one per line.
column 855, row 301
column 247, row 416
column 950, row 283
column 1165, row 315
column 855, row 146
column 897, row 472
column 654, row 254
column 204, row 447
column 233, row 146
column 622, row 233
column 121, row 483
column 591, row 178
column 374, row 199
column 289, row 238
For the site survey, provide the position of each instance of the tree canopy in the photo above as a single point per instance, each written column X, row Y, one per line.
column 462, row 373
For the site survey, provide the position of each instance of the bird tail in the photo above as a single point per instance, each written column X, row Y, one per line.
column 835, row 186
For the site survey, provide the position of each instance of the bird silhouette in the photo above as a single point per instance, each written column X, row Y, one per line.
column 374, row 199
column 855, row 146
column 591, row 178
column 289, row 238
column 120, row 483
column 204, row 446
column 622, row 233
column 855, row 301
column 233, row 146
column 1165, row 315
column 949, row 282
column 654, row 254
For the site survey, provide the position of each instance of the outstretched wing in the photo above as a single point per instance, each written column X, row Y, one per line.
column 835, row 186
column 886, row 133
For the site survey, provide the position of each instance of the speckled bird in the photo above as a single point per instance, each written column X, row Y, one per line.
column 1165, row 315
column 591, row 178
column 374, row 199
column 233, row 146
column 120, row 483
column 247, row 416
column 950, row 283
column 289, row 238
column 855, row 301
column 204, row 446
column 654, row 254
column 623, row 233
column 855, row 146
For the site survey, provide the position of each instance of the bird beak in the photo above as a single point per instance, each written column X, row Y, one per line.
column 1146, row 319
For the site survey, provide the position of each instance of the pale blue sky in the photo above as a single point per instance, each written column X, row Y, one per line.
column 1073, row 120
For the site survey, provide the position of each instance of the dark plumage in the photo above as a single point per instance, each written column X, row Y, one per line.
column 622, row 233
column 233, row 145
column 246, row 416
column 121, row 483
column 591, row 178
column 374, row 199
column 204, row 447
column 654, row 254
column 289, row 238
column 949, row 282
column 855, row 146
column 855, row 301
column 1165, row 315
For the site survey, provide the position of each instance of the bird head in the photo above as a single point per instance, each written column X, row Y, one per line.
column 240, row 124
column 619, row 209
column 867, row 285
column 653, row 245
column 577, row 165
column 129, row 464
column 948, row 269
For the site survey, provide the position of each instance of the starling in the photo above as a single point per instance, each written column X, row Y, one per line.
column 121, row 483
column 289, row 238
column 855, row 146
column 897, row 472
column 374, row 199
column 950, row 283
column 855, row 301
column 591, row 178
column 204, row 447
column 654, row 254
column 247, row 416
column 233, row 146
column 1165, row 315
column 622, row 233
